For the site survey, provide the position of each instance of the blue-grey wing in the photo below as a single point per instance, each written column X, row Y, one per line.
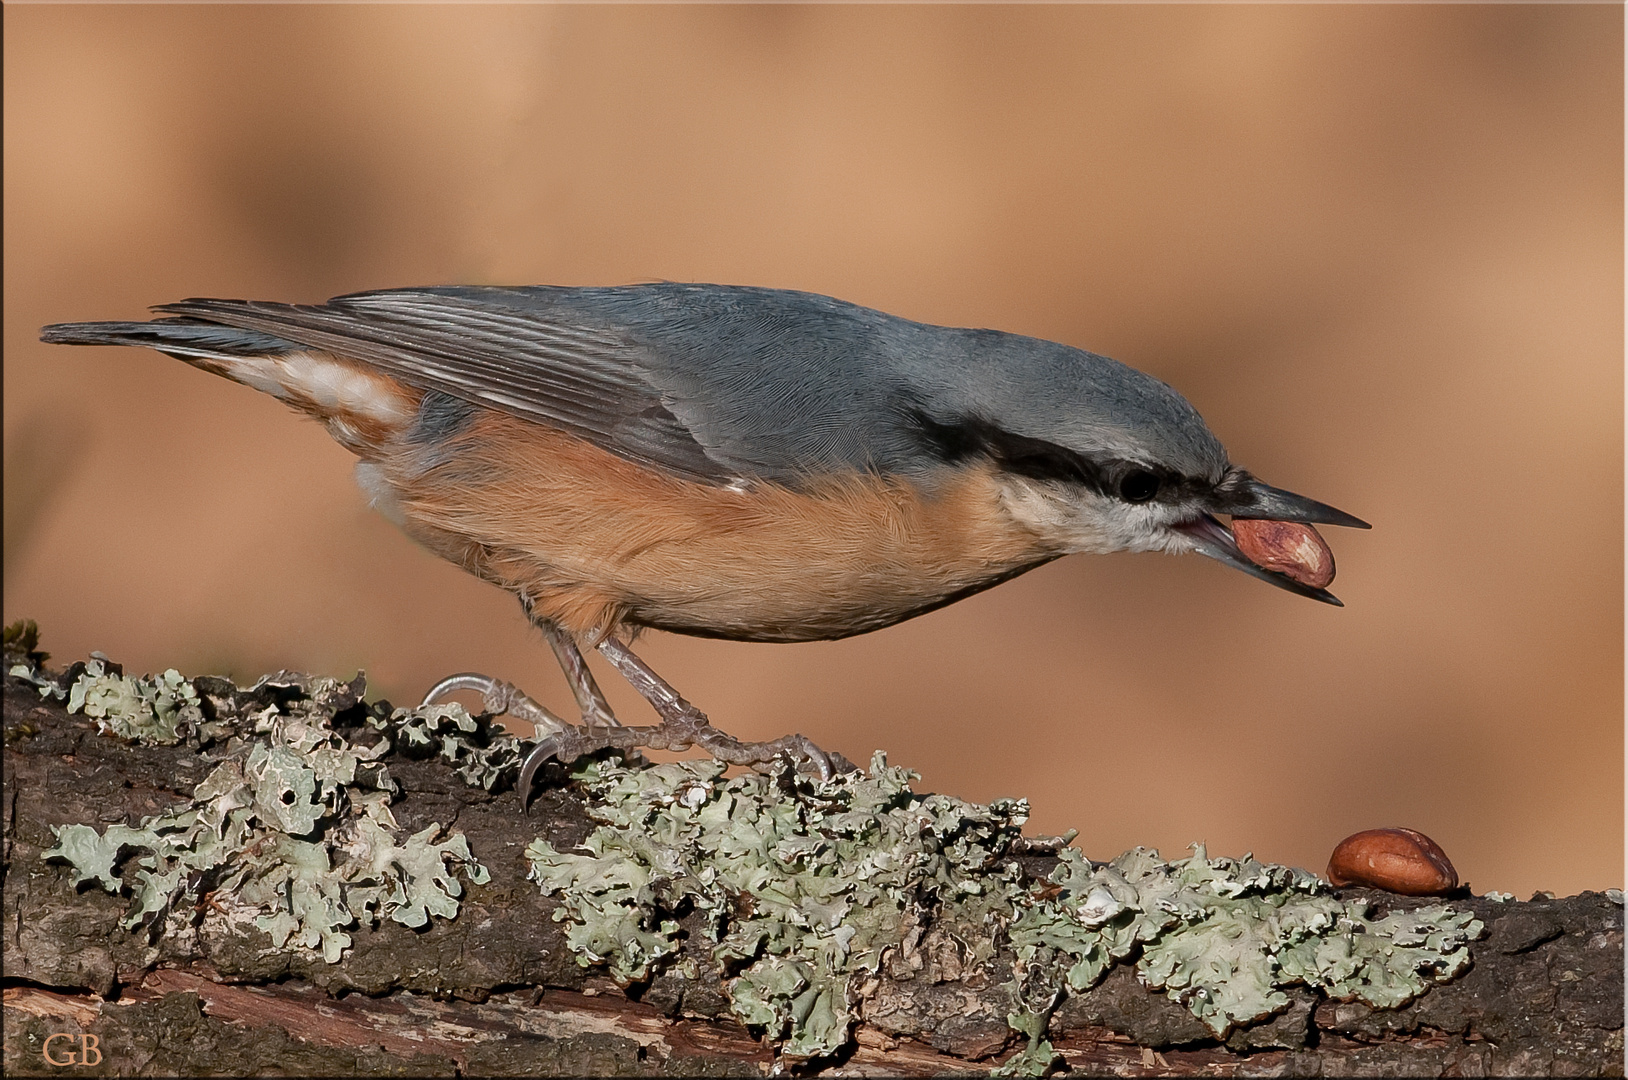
column 713, row 383
column 539, row 365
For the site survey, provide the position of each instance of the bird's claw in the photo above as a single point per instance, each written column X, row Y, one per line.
column 682, row 724
column 678, row 732
column 498, row 698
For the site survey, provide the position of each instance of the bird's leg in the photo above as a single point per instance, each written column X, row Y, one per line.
column 596, row 711
column 682, row 726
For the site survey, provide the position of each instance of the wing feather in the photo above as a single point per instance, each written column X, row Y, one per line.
column 536, row 364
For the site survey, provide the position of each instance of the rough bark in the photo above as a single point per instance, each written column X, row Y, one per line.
column 496, row 991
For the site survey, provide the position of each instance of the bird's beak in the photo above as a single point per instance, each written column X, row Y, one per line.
column 1243, row 496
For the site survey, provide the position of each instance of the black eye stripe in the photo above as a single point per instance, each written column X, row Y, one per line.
column 969, row 437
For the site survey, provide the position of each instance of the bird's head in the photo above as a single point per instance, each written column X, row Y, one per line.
column 1093, row 456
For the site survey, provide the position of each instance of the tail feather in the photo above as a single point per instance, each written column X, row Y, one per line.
column 183, row 338
column 361, row 407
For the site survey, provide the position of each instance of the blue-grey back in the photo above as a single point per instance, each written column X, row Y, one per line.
column 776, row 382
column 714, row 382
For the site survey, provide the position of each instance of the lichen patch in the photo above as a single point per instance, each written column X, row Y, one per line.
column 292, row 829
column 808, row 888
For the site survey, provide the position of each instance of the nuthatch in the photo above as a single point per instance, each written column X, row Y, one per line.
column 744, row 463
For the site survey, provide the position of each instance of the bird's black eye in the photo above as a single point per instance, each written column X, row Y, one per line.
column 1139, row 486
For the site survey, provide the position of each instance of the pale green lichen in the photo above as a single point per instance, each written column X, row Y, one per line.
column 1038, row 1055
column 155, row 709
column 31, row 673
column 1225, row 936
column 804, row 885
column 454, row 734
column 93, row 854
column 295, row 826
column 19, row 644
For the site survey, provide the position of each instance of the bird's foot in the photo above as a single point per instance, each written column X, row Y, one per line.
column 499, row 698
column 682, row 724
column 679, row 730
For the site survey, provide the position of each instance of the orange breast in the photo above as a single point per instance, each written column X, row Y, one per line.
column 596, row 541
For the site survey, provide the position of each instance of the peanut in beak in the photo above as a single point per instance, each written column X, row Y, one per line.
column 1288, row 547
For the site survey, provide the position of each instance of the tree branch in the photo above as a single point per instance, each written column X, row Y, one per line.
column 499, row 990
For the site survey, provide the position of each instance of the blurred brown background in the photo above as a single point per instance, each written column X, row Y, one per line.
column 1380, row 248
